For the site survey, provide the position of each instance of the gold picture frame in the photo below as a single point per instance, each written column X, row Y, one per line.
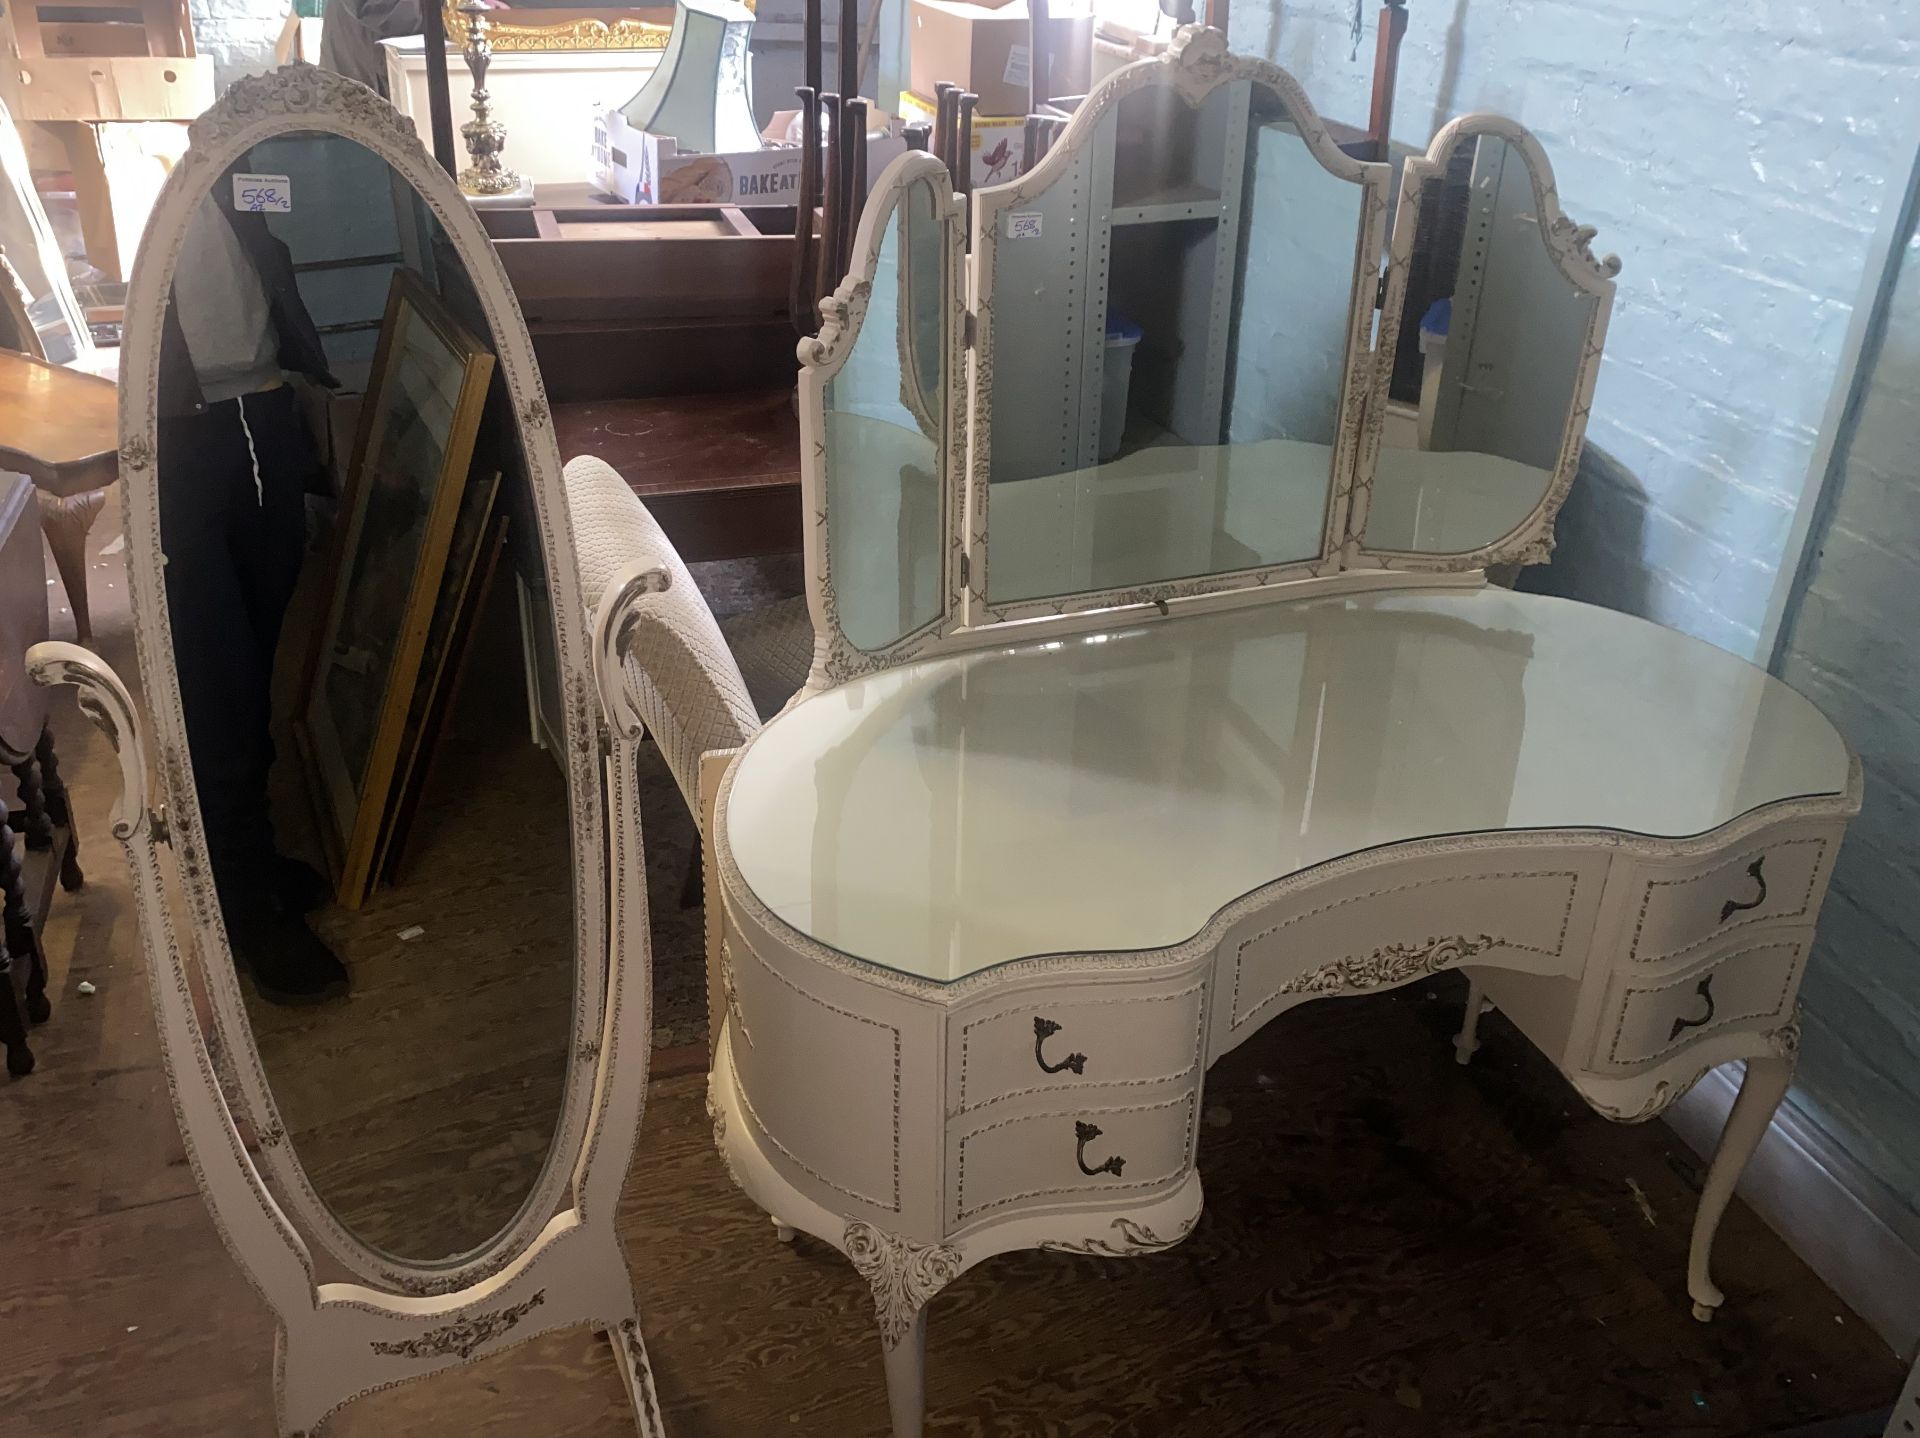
column 623, row 29
column 412, row 452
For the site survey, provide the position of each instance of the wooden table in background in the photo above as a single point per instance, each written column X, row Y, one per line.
column 663, row 339
column 58, row 427
column 720, row 472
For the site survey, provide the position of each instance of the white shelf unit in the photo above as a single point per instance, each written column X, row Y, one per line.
column 1159, row 243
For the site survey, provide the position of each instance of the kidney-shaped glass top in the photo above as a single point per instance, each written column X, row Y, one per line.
column 1102, row 792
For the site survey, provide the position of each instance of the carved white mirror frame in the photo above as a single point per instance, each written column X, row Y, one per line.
column 843, row 315
column 1570, row 248
column 1197, row 64
column 559, row 1262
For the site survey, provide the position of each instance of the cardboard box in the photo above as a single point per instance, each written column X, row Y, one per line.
column 997, row 139
column 109, row 88
column 640, row 168
column 983, row 48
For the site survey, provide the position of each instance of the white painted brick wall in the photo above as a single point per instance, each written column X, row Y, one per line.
column 1736, row 160
column 239, row 35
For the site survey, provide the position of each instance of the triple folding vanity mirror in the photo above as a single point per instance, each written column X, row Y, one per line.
column 370, row 710
column 1180, row 370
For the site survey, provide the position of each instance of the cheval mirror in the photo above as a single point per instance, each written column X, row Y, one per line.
column 422, row 949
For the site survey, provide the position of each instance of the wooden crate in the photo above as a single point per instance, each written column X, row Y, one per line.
column 102, row 60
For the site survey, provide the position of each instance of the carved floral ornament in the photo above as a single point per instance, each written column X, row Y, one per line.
column 296, row 89
column 903, row 1275
column 1395, row 964
column 462, row 1339
column 1130, row 1239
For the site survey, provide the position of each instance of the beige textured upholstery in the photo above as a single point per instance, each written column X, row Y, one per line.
column 681, row 675
column 773, row 645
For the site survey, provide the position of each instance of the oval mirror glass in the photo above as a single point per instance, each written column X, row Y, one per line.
column 885, row 413
column 1485, row 393
column 355, row 594
column 1174, row 312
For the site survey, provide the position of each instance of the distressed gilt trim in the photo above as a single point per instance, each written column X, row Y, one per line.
column 842, row 316
column 1131, row 1239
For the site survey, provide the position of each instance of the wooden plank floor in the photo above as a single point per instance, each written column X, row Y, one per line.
column 1392, row 1246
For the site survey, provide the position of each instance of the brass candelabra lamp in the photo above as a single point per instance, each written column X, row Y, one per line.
column 486, row 137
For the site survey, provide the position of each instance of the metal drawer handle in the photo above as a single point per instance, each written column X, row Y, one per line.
column 1044, row 1029
column 1087, row 1133
column 1732, row 907
column 1705, row 989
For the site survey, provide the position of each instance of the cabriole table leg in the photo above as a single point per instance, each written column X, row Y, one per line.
column 904, row 1277
column 907, row 1378
column 1761, row 1091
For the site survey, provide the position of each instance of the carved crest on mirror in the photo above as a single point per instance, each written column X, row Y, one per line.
column 1496, row 372
column 880, row 395
column 556, row 1260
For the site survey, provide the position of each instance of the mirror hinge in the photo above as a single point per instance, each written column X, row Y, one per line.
column 157, row 829
column 970, row 330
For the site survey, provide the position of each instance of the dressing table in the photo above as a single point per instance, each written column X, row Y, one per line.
column 1144, row 711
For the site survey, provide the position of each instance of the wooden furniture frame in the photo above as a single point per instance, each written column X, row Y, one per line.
column 559, row 1261
column 663, row 338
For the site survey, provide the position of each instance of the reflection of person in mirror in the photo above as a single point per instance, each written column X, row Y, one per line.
column 234, row 464
column 351, row 32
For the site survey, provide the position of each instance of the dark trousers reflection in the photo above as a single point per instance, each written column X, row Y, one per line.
column 233, row 482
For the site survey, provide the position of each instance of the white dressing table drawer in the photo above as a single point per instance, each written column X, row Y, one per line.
column 1750, row 984
column 1530, row 908
column 1778, row 878
column 1086, row 1036
column 1067, row 1155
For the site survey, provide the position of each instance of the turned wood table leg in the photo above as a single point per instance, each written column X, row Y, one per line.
column 16, row 917
column 907, row 1378
column 13, row 1025
column 1760, row 1094
column 60, row 809
column 38, row 826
